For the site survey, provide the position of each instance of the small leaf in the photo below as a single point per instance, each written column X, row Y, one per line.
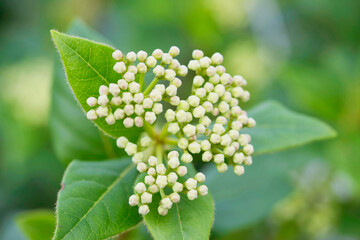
column 93, row 201
column 73, row 135
column 36, row 224
column 278, row 128
column 185, row 220
column 89, row 65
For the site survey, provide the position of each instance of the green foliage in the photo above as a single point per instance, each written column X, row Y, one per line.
column 93, row 201
column 36, row 224
column 89, row 65
column 278, row 128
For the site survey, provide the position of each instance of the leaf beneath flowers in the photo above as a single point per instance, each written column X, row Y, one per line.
column 93, row 202
column 278, row 128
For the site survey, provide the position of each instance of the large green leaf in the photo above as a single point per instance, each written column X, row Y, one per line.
column 241, row 201
column 278, row 128
column 185, row 220
column 73, row 135
column 89, row 65
column 36, row 224
column 93, row 201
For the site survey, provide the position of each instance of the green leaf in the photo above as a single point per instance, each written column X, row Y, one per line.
column 73, row 135
column 241, row 201
column 89, row 65
column 36, row 224
column 278, row 128
column 93, row 201
column 185, row 220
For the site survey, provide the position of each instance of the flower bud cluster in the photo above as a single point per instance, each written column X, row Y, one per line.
column 125, row 101
column 160, row 176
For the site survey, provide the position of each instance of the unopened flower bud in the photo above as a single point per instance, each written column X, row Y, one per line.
column 144, row 209
column 130, row 148
column 192, row 194
column 91, row 101
column 140, row 187
column 203, row 190
column 239, row 170
column 181, row 171
column 133, row 200
column 119, row 67
column 91, row 115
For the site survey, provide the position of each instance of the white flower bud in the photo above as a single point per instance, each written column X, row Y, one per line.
column 170, row 74
column 119, row 67
column 207, row 156
column 198, row 81
column 236, row 125
column 183, row 105
column 234, row 102
column 200, row 129
column 236, row 145
column 157, row 108
column 199, row 112
column 91, row 101
column 200, row 92
column 171, row 90
column 248, row 149
column 103, row 100
column 140, row 187
column 142, row 55
column 194, row 147
column 117, row 55
column 213, row 97
column 205, row 62
column 237, row 92
column 186, row 157
column 153, row 189
column 146, row 197
column 244, row 139
column 110, row 119
column 166, row 58
column 197, row 54
column 174, row 51
column 172, row 177
column 161, row 181
column 177, row 82
column 190, row 183
column 133, row 200
column 235, row 111
column 129, row 110
column 147, row 103
column 102, row 111
column 239, row 158
column 162, row 211
column 116, row 101
column 173, row 154
column 151, row 171
column 206, row 121
column 219, row 158
column 91, row 115
column 144, row 209
column 203, row 190
column 219, row 89
column 128, row 122
column 138, row 97
column 169, row 115
column 220, row 69
column 181, row 116
column 239, row 81
column 205, row 145
column 242, row 119
column 225, row 79
column 131, row 56
column 217, row 58
column 227, row 97
column 248, row 160
column 208, row 87
column 122, row 84
column 155, row 95
column 215, row 79
column 175, row 64
column 134, row 87
column 182, row 71
column 246, row 96
column 130, row 148
column 222, row 167
column 200, row 177
column 157, row 53
column 166, row 203
column 141, row 167
column 192, row 194
column 233, row 134
column 139, row 109
column 229, row 150
column 181, row 171
column 139, row 122
column 142, row 68
column 218, row 128
column 239, row 170
column 159, row 71
column 194, row 65
column 138, row 157
column 173, row 162
column 121, row 142
column 149, row 180
column 211, row 71
column 175, row 197
column 150, row 117
column 189, row 130
column 251, row 122
column 183, row 143
column 193, row 100
column 224, row 107
column 160, row 168
column 177, row 187
column 173, row 128
column 133, row 69
column 151, row 62
column 129, row 76
column 175, row 100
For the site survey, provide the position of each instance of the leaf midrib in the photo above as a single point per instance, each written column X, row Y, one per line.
column 120, row 177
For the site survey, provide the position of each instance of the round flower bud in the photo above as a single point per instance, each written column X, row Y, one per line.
column 207, row 156
column 200, row 129
column 175, row 100
column 173, row 154
column 237, row 92
column 181, row 116
column 145, row 141
column 186, row 157
column 200, row 92
column 133, row 200
column 173, row 128
column 170, row 74
column 155, row 95
column 203, row 190
column 251, row 122
column 193, row 100
column 128, row 122
column 242, row 119
column 189, row 117
column 236, row 125
column 235, row 111
column 200, row 177
column 225, row 140
column 133, row 69
column 198, row 81
column 141, row 167
column 219, row 158
column 157, row 53
column 122, row 84
column 236, row 145
column 183, row 105
column 205, row 62
column 211, row 71
column 119, row 67
column 194, row 65
column 233, row 134
column 215, row 79
column 239, row 158
column 192, row 194
column 218, row 128
column 234, row 102
column 199, row 112
column 171, row 90
column 177, row 187
column 177, row 82
column 138, row 157
column 166, row 58
column 169, row 115
column 131, row 56
column 189, row 130
column 166, row 203
column 181, row 171
column 103, row 100
column 217, row 58
column 129, row 76
column 149, row 180
column 194, row 147
column 121, row 142
column 182, row 71
column 138, row 97
column 197, row 54
column 91, row 115
column 246, row 96
column 134, row 87
column 215, row 138
column 208, row 106
column 91, row 101
column 161, row 181
column 162, row 211
column 140, row 187
column 139, row 109
column 219, row 89
column 175, row 197
column 159, row 71
column 153, row 189
column 248, row 160
column 144, row 209
column 222, row 167
column 160, row 168
column 239, row 80
column 130, row 148
column 150, row 117
column 102, row 111
column 213, row 97
column 183, row 143
column 146, row 197
column 110, row 119
column 117, row 55
column 174, row 51
column 220, row 69
column 248, row 149
column 227, row 97
column 151, row 62
column 151, row 171
column 142, row 68
column 129, row 109
column 174, row 64
column 173, row 162
column 239, row 170
column 229, row 150
column 157, row 108
column 190, row 183
column 208, row 87
column 206, row 121
column 172, row 177
column 147, row 103
column 116, row 101
column 152, row 161
column 142, row 55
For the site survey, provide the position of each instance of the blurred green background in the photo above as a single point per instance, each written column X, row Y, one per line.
column 303, row 53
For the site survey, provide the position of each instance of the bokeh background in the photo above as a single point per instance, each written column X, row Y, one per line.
column 303, row 53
